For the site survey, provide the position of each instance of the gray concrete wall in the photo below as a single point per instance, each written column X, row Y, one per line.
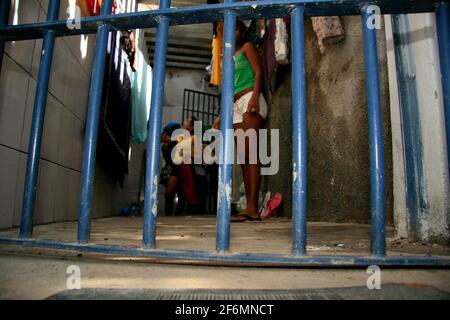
column 62, row 149
column 338, row 150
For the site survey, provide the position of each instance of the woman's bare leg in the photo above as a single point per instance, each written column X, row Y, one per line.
column 254, row 183
column 251, row 172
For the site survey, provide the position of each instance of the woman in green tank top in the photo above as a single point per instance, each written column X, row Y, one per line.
column 249, row 111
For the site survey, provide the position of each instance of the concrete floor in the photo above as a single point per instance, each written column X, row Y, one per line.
column 31, row 276
column 269, row 236
column 30, row 273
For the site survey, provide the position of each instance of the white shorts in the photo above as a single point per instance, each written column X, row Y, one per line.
column 240, row 107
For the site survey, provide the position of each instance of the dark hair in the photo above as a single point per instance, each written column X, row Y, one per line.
column 241, row 25
column 191, row 120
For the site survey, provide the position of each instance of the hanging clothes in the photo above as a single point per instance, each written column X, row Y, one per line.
column 256, row 32
column 217, row 53
column 84, row 8
column 328, row 30
column 269, row 58
column 281, row 42
column 94, row 6
column 128, row 43
column 115, row 116
column 141, row 92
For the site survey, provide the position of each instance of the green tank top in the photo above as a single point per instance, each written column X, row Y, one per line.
column 243, row 73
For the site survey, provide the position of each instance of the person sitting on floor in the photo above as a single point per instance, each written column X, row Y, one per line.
column 178, row 176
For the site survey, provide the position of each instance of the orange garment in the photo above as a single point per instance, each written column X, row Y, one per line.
column 217, row 53
column 84, row 8
column 94, row 7
column 187, row 183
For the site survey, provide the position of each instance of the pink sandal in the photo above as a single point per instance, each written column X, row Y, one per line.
column 272, row 205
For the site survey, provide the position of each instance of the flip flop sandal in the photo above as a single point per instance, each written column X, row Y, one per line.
column 242, row 217
column 272, row 205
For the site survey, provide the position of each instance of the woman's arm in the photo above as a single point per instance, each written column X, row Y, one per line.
column 255, row 61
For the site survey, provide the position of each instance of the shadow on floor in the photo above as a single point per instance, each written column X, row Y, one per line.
column 387, row 292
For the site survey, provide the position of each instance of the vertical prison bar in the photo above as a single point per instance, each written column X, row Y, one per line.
column 151, row 175
column 299, row 131
column 378, row 240
column 5, row 6
column 409, row 107
column 299, row 140
column 443, row 33
column 92, row 120
column 226, row 123
column 37, row 124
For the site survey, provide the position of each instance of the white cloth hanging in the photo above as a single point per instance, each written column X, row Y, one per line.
column 281, row 42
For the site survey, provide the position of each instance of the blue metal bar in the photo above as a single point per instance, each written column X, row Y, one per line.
column 37, row 124
column 411, row 125
column 443, row 33
column 156, row 108
column 299, row 138
column 5, row 6
column 213, row 13
column 226, row 126
column 246, row 259
column 375, row 137
column 93, row 115
column 246, row 10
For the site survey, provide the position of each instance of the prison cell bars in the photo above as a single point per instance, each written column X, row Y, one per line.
column 229, row 13
column 93, row 115
column 443, row 33
column 37, row 124
column 194, row 101
column 151, row 181
column 378, row 237
column 299, row 141
column 226, row 124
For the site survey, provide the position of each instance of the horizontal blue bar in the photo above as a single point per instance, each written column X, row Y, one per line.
column 212, row 13
column 239, row 258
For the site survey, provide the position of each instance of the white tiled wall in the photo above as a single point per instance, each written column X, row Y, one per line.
column 63, row 137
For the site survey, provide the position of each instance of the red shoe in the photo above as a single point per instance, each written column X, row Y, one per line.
column 272, row 205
